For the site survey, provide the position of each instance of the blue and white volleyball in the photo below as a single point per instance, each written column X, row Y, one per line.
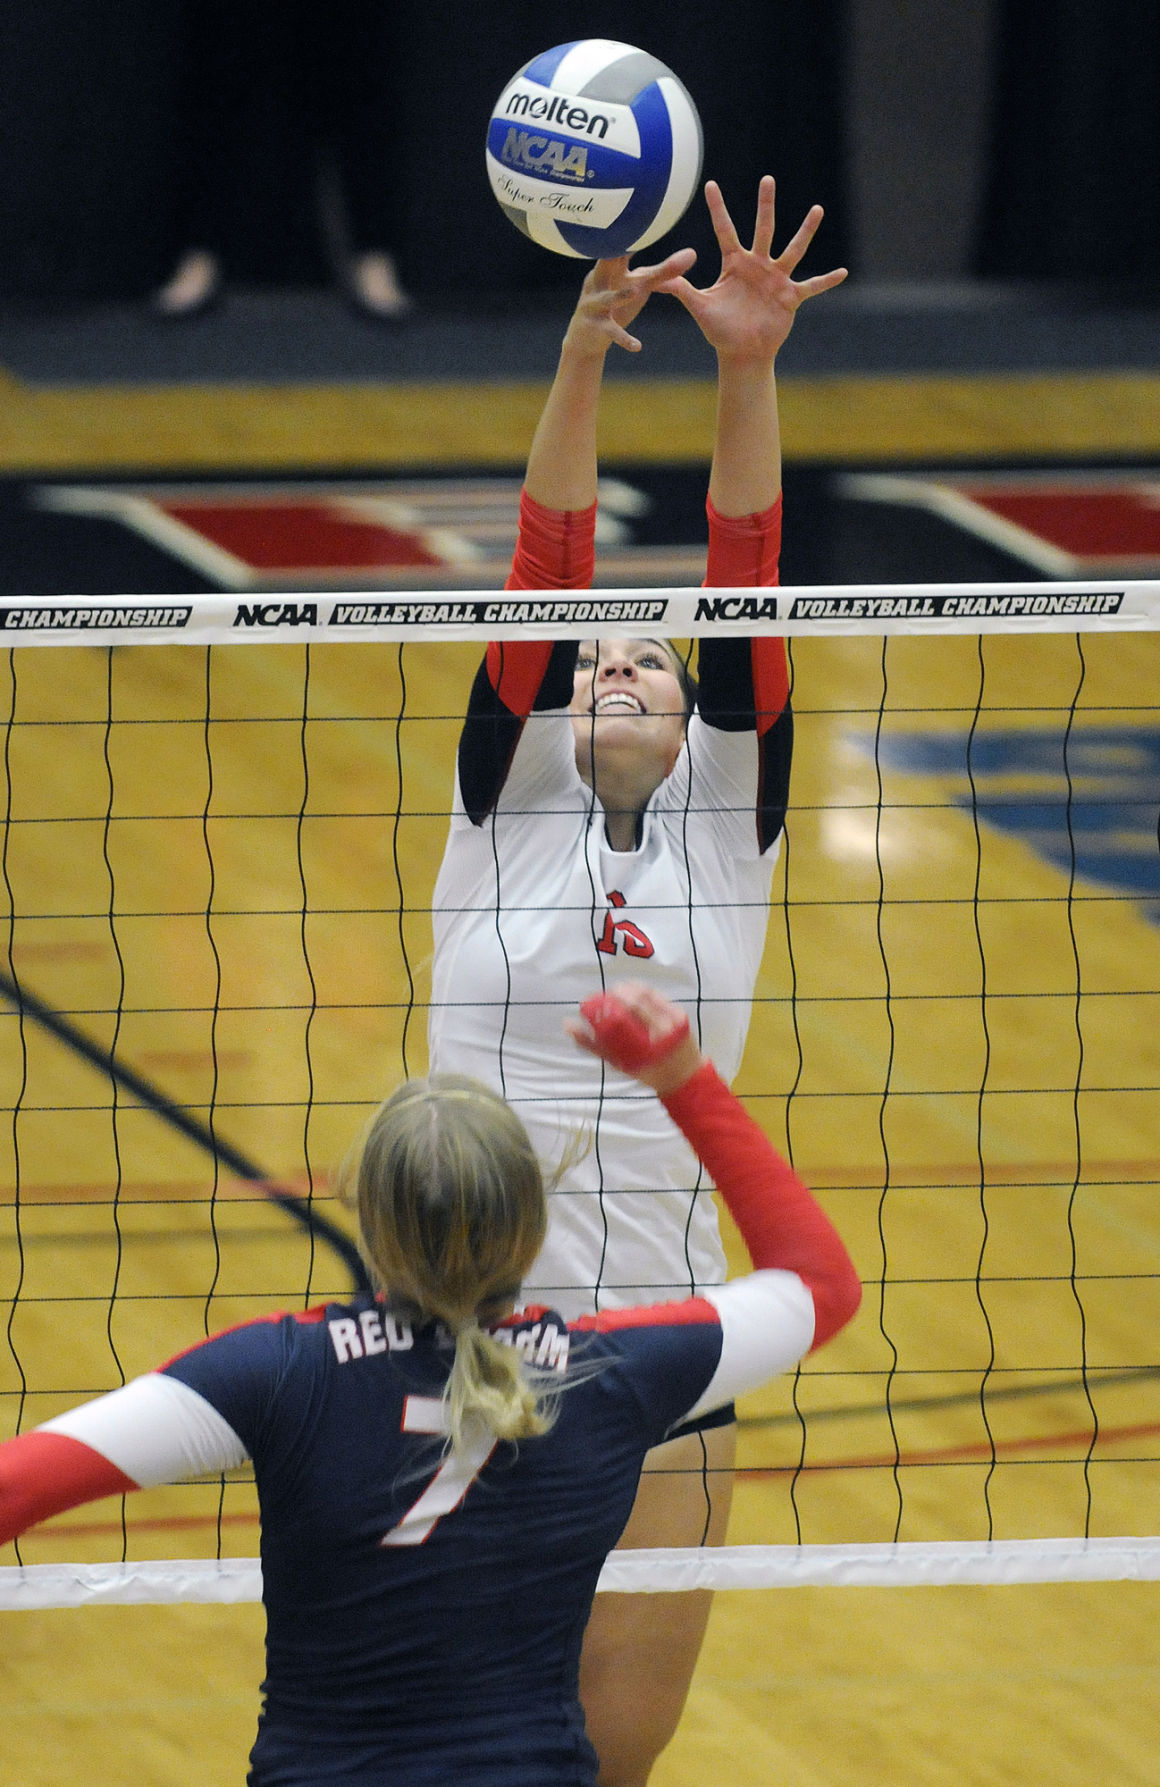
column 594, row 149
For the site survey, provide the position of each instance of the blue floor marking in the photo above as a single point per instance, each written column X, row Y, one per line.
column 1022, row 778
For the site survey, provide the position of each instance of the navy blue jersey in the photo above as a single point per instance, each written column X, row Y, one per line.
column 377, row 1628
column 425, row 1608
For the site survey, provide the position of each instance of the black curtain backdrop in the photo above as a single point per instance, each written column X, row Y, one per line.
column 83, row 141
column 90, row 139
column 1073, row 185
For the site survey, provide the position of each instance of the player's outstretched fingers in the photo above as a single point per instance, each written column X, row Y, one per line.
column 724, row 228
column 764, row 223
column 614, row 293
column 679, row 261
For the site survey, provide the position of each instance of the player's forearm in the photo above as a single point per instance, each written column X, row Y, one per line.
column 42, row 1474
column 744, row 551
column 746, row 473
column 781, row 1223
column 555, row 548
column 562, row 469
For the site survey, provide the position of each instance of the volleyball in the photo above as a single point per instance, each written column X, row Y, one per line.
column 594, row 149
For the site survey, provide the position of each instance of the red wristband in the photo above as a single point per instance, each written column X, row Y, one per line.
column 624, row 1040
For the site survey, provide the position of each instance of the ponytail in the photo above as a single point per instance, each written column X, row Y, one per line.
column 452, row 1212
column 490, row 1387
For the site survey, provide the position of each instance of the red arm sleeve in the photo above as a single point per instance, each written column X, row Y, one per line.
column 743, row 553
column 743, row 549
column 516, row 669
column 781, row 1223
column 556, row 548
column 44, row 1473
column 744, row 683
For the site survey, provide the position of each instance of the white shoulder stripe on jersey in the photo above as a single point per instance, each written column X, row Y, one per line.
column 155, row 1430
column 767, row 1325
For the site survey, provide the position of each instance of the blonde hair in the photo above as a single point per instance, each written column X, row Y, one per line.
column 452, row 1212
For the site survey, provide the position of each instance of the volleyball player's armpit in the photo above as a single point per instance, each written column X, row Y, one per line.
column 517, row 677
column 781, row 1223
column 555, row 548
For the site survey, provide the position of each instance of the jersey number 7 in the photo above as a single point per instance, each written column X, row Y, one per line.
column 451, row 1482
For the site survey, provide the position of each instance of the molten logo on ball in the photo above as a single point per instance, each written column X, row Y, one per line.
column 520, row 101
column 605, row 117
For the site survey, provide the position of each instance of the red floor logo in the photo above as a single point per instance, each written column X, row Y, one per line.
column 450, row 533
column 1062, row 524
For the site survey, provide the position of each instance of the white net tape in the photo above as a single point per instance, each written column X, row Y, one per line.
column 937, row 608
column 39, row 1587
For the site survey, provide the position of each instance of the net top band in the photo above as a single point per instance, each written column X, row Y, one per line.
column 939, row 608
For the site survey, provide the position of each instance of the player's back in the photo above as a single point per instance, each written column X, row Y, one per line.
column 425, row 1610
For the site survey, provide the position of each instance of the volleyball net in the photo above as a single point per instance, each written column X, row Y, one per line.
column 224, row 818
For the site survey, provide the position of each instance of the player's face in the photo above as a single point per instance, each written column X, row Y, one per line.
column 627, row 704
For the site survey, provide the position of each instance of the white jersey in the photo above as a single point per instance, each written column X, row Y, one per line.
column 533, row 912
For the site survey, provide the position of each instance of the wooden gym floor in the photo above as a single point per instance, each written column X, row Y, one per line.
column 992, row 1160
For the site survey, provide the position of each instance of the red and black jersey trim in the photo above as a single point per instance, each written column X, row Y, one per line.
column 690, row 1312
column 515, row 679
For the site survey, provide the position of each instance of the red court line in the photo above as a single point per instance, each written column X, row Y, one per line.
column 185, row 1191
column 1000, row 1177
column 170, row 1523
column 980, row 1449
column 939, row 1455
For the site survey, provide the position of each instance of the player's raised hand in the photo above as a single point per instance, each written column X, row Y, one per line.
column 638, row 1031
column 614, row 294
column 749, row 311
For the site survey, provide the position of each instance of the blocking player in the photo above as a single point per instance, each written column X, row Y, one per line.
column 610, row 812
column 439, row 1481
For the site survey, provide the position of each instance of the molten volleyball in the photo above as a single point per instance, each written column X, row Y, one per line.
column 594, row 149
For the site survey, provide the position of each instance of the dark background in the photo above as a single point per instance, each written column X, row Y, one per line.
column 1003, row 139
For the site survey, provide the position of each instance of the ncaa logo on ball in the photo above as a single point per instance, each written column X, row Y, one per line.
column 594, row 149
